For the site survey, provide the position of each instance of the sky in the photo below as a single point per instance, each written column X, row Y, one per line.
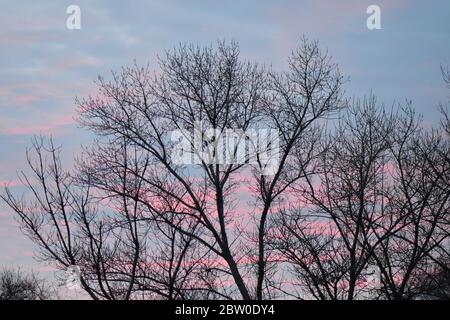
column 44, row 65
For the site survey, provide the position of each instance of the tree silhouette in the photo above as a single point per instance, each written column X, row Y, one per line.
column 305, row 212
column 16, row 284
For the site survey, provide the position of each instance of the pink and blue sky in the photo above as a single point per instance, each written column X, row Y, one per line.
column 44, row 66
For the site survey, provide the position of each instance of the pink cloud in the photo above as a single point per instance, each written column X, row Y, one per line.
column 25, row 39
column 55, row 126
column 25, row 99
column 8, row 183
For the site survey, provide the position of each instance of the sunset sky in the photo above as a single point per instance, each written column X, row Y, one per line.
column 44, row 66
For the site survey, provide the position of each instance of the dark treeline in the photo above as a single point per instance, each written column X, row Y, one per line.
column 16, row 284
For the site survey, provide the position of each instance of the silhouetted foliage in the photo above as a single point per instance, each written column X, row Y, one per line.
column 16, row 284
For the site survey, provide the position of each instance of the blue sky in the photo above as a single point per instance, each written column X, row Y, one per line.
column 44, row 66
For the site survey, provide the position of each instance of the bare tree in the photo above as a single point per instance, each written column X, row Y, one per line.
column 325, row 236
column 376, row 202
column 299, row 99
column 436, row 283
column 131, row 197
column 16, row 284
column 160, row 206
column 105, row 232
